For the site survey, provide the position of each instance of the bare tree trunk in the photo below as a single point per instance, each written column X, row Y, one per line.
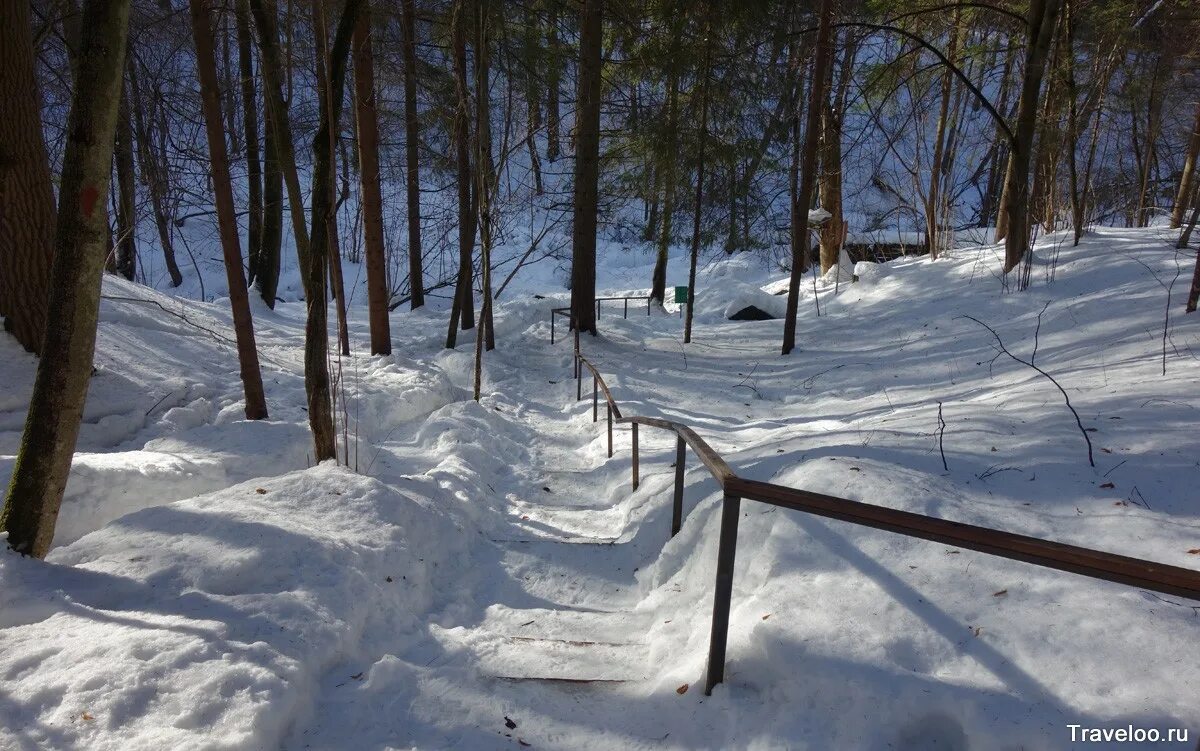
column 316, row 333
column 485, row 184
column 552, row 93
column 933, row 197
column 239, row 301
column 334, row 251
column 833, row 232
column 126, row 258
column 587, row 169
column 156, row 174
column 1042, row 16
column 254, row 182
column 997, row 156
column 703, row 83
column 464, row 304
column 266, row 276
column 368, row 174
column 26, row 194
column 412, row 174
column 1073, row 124
column 284, row 147
column 658, row 282
column 808, row 168
column 60, row 387
column 1188, row 174
column 1162, row 73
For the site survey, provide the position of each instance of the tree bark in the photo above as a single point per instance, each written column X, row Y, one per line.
column 254, row 181
column 412, row 174
column 285, row 149
column 658, row 281
column 333, row 249
column 155, row 174
column 552, row 79
column 1186, row 177
column 587, row 168
column 933, row 197
column 60, row 386
column 239, row 300
column 368, row 174
column 463, row 311
column 266, row 275
column 26, row 192
column 485, row 184
column 706, row 71
column 808, row 169
column 126, row 258
column 1041, row 18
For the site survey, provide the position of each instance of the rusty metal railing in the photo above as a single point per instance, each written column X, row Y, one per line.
column 566, row 312
column 1135, row 572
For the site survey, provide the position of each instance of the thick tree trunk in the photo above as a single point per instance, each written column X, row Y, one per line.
column 254, row 186
column 412, row 174
column 463, row 311
column 1041, row 18
column 285, row 149
column 808, row 169
column 26, row 193
column 587, row 168
column 1187, row 176
column 126, row 245
column 239, row 300
column 316, row 334
column 60, row 387
column 368, row 175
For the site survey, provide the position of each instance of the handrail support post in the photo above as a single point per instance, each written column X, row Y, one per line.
column 726, row 552
column 595, row 399
column 609, row 407
column 635, row 456
column 677, row 505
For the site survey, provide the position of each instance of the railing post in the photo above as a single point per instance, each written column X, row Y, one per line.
column 726, row 550
column 609, row 406
column 595, row 399
column 626, row 307
column 677, row 505
column 578, row 379
column 552, row 327
column 647, row 304
column 597, row 310
column 635, row 456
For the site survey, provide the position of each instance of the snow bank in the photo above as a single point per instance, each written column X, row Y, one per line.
column 206, row 623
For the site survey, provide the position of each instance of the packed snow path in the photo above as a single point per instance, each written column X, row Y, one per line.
column 488, row 579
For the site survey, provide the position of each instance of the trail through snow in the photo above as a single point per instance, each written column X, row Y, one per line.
column 489, row 580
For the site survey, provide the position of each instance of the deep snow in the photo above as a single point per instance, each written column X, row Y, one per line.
column 487, row 562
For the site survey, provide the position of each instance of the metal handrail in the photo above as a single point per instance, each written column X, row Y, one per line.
column 1096, row 564
column 566, row 312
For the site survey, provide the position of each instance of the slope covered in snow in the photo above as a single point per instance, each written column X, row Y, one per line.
column 487, row 579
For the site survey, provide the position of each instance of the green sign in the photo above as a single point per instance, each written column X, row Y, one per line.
column 681, row 295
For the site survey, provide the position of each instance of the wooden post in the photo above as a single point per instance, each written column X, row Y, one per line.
column 609, row 407
column 677, row 505
column 726, row 550
column 635, row 456
column 595, row 399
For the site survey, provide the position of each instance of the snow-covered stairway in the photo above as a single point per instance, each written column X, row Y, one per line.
column 559, row 645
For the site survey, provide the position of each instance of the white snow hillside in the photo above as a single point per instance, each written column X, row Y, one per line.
column 482, row 576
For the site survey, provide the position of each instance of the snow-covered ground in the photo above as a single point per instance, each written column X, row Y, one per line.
column 481, row 575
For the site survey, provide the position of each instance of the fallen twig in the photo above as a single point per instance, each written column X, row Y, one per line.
column 1066, row 397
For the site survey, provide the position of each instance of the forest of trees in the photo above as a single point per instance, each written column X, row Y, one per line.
column 446, row 144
